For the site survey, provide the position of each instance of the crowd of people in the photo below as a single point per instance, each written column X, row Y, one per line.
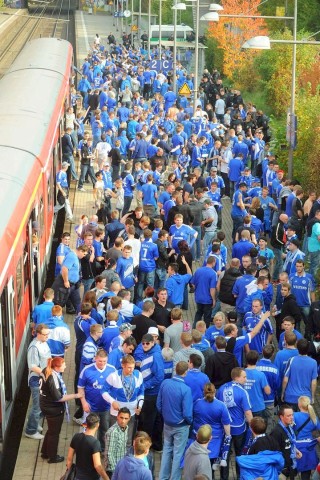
column 148, row 377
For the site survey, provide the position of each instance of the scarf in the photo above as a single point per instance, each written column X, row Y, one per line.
column 64, row 392
column 292, row 437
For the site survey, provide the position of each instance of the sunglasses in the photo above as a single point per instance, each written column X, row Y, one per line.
column 146, row 343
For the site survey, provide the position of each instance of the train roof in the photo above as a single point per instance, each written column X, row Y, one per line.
column 32, row 94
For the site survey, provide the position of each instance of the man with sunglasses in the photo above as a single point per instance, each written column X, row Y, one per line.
column 38, row 354
column 152, row 371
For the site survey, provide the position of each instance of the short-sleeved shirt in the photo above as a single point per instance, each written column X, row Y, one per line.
column 236, row 399
column 93, row 380
column 256, row 381
column 85, row 446
column 71, row 262
column 204, row 279
column 172, row 336
column 301, row 370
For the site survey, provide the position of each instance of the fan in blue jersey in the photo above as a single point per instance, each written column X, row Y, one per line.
column 256, row 385
column 236, row 399
column 125, row 388
column 125, row 268
column 251, row 319
column 180, row 231
column 149, row 253
column 92, row 383
column 271, row 372
column 303, row 288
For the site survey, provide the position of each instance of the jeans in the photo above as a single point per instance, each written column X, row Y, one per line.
column 126, row 205
column 204, row 310
column 227, row 183
column 84, row 170
column 305, row 311
column 34, row 415
column 74, row 295
column 150, row 421
column 207, row 239
column 196, row 247
column 103, row 427
column 175, row 440
column 87, row 284
column 278, row 263
column 160, row 278
column 70, row 160
column 314, row 262
column 237, row 222
column 144, row 278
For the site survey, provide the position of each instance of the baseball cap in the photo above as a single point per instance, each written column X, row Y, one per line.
column 153, row 331
column 147, row 338
column 247, row 169
column 65, row 164
column 213, row 169
column 126, row 326
column 207, row 201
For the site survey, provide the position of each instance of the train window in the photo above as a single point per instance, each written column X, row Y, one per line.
column 19, row 282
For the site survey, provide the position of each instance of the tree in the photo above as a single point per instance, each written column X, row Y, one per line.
column 231, row 33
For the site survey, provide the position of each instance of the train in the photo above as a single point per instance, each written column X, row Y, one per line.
column 56, row 7
column 34, row 95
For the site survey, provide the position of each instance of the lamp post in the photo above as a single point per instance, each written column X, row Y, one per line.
column 149, row 26
column 175, row 8
column 263, row 43
column 160, row 25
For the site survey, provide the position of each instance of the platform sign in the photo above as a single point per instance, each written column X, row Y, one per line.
column 161, row 65
column 185, row 90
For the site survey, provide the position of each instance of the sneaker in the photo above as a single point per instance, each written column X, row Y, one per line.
column 40, row 428
column 79, row 421
column 81, row 189
column 34, row 436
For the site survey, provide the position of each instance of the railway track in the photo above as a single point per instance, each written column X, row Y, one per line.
column 27, row 28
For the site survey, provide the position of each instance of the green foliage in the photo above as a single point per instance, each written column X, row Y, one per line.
column 213, row 55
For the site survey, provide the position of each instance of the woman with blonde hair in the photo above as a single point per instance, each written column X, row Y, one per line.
column 306, row 423
column 53, row 404
column 256, row 205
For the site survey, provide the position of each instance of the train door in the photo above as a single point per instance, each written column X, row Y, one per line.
column 7, row 353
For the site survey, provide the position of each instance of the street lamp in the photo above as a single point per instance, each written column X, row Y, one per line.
column 210, row 17
column 263, row 43
column 175, row 8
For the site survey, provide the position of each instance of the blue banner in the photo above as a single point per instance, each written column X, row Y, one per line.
column 161, row 65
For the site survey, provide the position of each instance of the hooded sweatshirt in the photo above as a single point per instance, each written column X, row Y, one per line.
column 131, row 468
column 219, row 366
column 175, row 286
column 196, row 462
column 265, row 464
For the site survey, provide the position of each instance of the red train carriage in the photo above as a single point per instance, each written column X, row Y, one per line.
column 33, row 96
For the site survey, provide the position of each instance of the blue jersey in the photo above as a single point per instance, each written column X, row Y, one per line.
column 281, row 343
column 281, row 360
column 260, row 340
column 235, row 209
column 211, row 334
column 272, row 375
column 59, row 336
column 181, row 233
column 196, row 380
column 240, row 290
column 62, row 251
column 148, row 254
column 255, row 383
column 125, row 271
column 204, row 279
column 42, row 312
column 93, row 380
column 236, row 399
column 71, row 262
column 300, row 371
column 239, row 345
column 109, row 333
column 126, row 390
column 128, row 184
column 149, row 192
column 301, row 288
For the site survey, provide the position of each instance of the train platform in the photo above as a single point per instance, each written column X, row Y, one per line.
column 30, row 465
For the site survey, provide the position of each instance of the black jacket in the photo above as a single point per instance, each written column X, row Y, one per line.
column 226, row 285
column 163, row 258
column 283, row 441
column 50, row 394
column 277, row 234
column 219, row 366
column 290, row 307
column 314, row 319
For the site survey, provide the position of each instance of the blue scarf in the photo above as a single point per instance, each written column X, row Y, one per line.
column 64, row 392
column 292, row 436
